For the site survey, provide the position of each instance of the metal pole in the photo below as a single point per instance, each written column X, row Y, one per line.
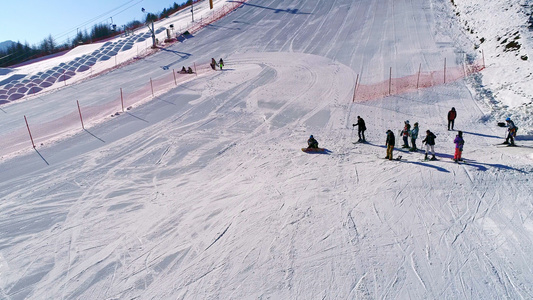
column 31, row 138
column 79, row 110
column 390, row 80
column 195, row 72
column 418, row 79
column 445, row 70
column 121, row 99
column 152, row 87
column 355, row 88
column 174, row 73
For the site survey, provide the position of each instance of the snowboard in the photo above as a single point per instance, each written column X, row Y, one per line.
column 314, row 150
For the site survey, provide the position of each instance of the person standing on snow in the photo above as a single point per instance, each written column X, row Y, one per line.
column 405, row 134
column 390, row 144
column 452, row 114
column 430, row 144
column 221, row 63
column 511, row 132
column 361, row 127
column 312, row 143
column 459, row 142
column 414, row 136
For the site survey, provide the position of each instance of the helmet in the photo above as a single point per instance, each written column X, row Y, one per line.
column 416, row 124
column 311, row 136
column 406, row 121
column 508, row 119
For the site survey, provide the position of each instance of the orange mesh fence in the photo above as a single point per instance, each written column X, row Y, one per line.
column 395, row 86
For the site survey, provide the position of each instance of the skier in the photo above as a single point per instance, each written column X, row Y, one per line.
column 213, row 63
column 459, row 142
column 414, row 136
column 390, row 144
column 361, row 127
column 511, row 132
column 405, row 134
column 312, row 143
column 221, row 63
column 430, row 144
column 452, row 114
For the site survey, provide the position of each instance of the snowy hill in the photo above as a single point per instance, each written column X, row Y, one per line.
column 201, row 191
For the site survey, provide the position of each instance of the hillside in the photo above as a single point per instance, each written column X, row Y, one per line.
column 202, row 192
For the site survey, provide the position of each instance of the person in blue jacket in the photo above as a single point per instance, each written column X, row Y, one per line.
column 414, row 135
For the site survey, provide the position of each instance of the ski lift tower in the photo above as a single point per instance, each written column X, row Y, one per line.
column 154, row 45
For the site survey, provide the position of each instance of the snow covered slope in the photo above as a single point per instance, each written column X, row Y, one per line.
column 203, row 192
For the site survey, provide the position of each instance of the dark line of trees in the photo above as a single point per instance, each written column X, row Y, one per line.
column 18, row 53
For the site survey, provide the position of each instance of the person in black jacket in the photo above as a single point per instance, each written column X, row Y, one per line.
column 361, row 127
column 312, row 142
column 429, row 140
column 390, row 144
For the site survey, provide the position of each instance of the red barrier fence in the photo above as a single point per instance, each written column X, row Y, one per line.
column 394, row 86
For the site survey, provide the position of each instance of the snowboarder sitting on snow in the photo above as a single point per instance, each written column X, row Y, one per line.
column 221, row 63
column 452, row 114
column 361, row 127
column 390, row 144
column 459, row 142
column 414, row 136
column 312, row 143
column 511, row 132
column 405, row 134
column 430, row 143
column 213, row 63
column 189, row 70
column 183, row 70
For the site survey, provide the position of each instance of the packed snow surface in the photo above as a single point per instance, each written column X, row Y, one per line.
column 203, row 192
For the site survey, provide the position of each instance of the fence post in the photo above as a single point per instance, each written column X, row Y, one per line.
column 174, row 73
column 64, row 78
column 355, row 88
column 195, row 72
column 121, row 100
column 31, row 138
column 79, row 110
column 418, row 79
column 445, row 70
column 390, row 80
column 152, row 87
column 483, row 56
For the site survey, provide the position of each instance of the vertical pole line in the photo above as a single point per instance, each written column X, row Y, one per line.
column 122, row 99
column 152, row 87
column 31, row 138
column 64, row 78
column 195, row 72
column 355, row 88
column 81, row 118
column 483, row 56
column 464, row 65
column 445, row 70
column 418, row 79
column 174, row 73
column 116, row 60
column 390, row 80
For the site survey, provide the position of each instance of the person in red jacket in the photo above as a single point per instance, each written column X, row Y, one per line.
column 452, row 114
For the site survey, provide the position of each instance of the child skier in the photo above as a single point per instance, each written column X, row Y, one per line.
column 459, row 142
column 511, row 132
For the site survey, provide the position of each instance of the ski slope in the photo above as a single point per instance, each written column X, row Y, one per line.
column 203, row 192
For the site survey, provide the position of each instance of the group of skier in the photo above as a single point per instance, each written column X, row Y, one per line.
column 429, row 140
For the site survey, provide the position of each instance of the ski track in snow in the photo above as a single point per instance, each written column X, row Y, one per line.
column 203, row 192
